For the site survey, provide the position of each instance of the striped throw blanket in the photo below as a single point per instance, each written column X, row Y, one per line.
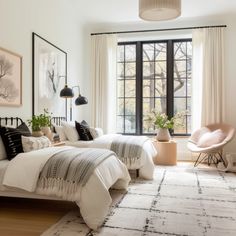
column 68, row 170
column 128, row 148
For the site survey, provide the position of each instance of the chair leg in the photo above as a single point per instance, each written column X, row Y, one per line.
column 196, row 162
column 221, row 158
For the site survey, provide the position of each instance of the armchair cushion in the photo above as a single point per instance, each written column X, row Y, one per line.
column 211, row 138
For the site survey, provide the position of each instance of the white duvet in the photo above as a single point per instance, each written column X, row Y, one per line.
column 93, row 199
column 145, row 166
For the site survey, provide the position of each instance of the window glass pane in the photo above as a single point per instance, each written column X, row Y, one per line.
column 130, row 124
column 148, row 52
column 180, row 87
column 189, row 68
column 189, row 108
column 130, row 106
column 130, row 70
column 120, row 88
column 148, row 88
column 120, row 53
column 148, row 126
column 160, row 69
column 120, row 70
column 130, row 53
column 179, row 105
column 180, row 50
column 181, row 129
column 130, row 88
column 160, row 105
column 120, row 124
column 148, row 70
column 120, row 106
column 189, row 49
column 189, row 87
column 189, row 128
column 160, row 88
column 160, row 51
column 148, row 105
column 180, row 69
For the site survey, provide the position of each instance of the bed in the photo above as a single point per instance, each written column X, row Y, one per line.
column 120, row 144
column 144, row 165
column 19, row 177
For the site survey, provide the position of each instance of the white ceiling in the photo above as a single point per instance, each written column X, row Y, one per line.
column 127, row 10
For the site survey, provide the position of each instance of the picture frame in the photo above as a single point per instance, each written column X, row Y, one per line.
column 49, row 68
column 10, row 78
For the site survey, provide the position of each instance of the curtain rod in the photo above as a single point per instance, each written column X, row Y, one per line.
column 159, row 30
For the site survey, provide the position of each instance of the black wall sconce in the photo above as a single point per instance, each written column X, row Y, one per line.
column 67, row 92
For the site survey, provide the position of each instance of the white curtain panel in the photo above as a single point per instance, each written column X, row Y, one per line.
column 103, row 73
column 208, row 77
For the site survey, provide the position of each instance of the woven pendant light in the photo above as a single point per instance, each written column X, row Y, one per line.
column 158, row 10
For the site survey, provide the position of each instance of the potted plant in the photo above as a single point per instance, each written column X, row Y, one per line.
column 35, row 125
column 40, row 124
column 163, row 123
column 45, row 122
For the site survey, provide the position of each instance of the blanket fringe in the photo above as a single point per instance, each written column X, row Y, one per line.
column 69, row 191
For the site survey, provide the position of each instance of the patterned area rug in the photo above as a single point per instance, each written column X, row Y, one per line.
column 180, row 201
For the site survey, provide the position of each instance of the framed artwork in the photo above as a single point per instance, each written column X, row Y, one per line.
column 49, row 77
column 10, row 78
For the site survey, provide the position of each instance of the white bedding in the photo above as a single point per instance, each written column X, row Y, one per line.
column 145, row 166
column 21, row 174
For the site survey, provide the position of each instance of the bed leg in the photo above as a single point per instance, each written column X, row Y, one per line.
column 137, row 173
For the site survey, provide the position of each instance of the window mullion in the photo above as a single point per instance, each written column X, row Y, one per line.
column 170, row 78
column 139, row 86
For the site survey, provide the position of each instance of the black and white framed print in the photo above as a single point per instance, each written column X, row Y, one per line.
column 49, row 77
column 10, row 78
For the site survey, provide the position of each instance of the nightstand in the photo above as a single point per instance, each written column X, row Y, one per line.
column 57, row 144
column 166, row 153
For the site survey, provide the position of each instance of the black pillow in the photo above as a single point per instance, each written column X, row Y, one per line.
column 84, row 123
column 11, row 138
column 24, row 130
column 83, row 131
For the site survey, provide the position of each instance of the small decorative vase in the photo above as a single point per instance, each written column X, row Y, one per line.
column 37, row 133
column 163, row 135
column 47, row 132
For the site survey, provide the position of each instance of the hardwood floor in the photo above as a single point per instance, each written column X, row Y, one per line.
column 29, row 217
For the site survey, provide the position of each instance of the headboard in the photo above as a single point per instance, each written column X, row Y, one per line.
column 57, row 120
column 12, row 121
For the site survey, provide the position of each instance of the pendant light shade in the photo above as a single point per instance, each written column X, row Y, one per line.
column 158, row 10
column 66, row 92
column 81, row 100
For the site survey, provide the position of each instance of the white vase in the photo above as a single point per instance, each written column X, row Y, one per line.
column 47, row 132
column 163, row 135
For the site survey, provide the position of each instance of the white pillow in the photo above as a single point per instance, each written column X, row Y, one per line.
column 96, row 132
column 3, row 154
column 60, row 131
column 211, row 138
column 35, row 143
column 70, row 131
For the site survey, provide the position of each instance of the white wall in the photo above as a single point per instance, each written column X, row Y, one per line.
column 230, row 66
column 56, row 21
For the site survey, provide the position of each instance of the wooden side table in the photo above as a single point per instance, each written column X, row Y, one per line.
column 166, row 153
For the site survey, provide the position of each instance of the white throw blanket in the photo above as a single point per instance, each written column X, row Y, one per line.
column 66, row 172
column 128, row 148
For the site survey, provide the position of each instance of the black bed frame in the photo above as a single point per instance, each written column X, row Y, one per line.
column 13, row 121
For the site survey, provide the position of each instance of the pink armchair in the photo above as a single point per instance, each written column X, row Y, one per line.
column 209, row 142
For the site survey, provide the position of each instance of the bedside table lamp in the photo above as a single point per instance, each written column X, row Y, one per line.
column 67, row 92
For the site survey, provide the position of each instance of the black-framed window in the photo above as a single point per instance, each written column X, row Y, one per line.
column 153, row 75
